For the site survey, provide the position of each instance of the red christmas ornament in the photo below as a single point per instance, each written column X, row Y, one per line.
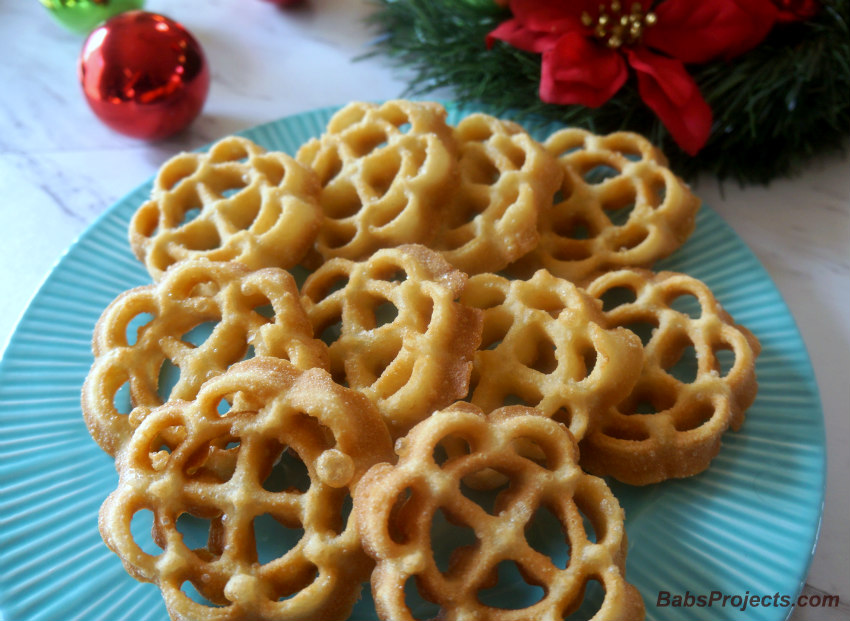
column 144, row 75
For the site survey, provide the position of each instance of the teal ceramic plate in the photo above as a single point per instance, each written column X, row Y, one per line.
column 747, row 526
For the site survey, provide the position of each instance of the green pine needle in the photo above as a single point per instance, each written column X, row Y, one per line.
column 774, row 107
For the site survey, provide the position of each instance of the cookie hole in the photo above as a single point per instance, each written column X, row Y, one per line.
column 449, row 448
column 198, row 335
column 288, row 474
column 194, row 530
column 629, row 238
column 402, row 508
column 547, row 301
column 515, row 154
column 488, row 498
column 223, row 408
column 265, row 310
column 189, row 215
column 177, row 169
column 544, row 360
column 571, row 250
column 509, row 590
column 479, row 169
column 724, row 357
column 530, row 449
column 485, row 297
column 365, row 141
column 545, row 534
column 273, row 538
column 693, row 416
column 169, row 376
column 121, row 401
column 330, row 167
column 589, row 358
column 448, row 538
column 599, row 173
column 592, row 596
column 686, row 367
column 385, row 313
column 646, row 399
column 574, row 228
column 403, row 127
column 619, row 213
column 643, row 329
column 529, row 400
column 271, row 169
column 381, row 171
column 243, row 213
column 136, row 326
column 338, row 236
column 330, row 333
column 685, row 303
column 141, row 529
column 390, row 273
column 419, row 607
column 381, row 361
column 190, row 590
column 200, row 235
column 656, row 191
column 340, row 200
column 593, row 522
column 329, row 286
column 617, row 296
column 249, row 353
column 563, row 415
column 340, row 512
column 296, row 581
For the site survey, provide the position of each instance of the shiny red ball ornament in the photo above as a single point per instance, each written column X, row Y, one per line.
column 144, row 75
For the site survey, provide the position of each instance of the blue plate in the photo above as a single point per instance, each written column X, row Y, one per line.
column 746, row 527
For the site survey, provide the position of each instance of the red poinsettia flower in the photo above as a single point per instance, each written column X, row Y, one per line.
column 796, row 10
column 587, row 47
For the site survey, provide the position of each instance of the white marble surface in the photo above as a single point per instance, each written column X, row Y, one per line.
column 60, row 168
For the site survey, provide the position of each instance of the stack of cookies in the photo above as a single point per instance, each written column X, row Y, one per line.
column 479, row 319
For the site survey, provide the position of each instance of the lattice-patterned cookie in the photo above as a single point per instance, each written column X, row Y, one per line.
column 506, row 178
column 395, row 330
column 235, row 203
column 201, row 318
column 255, row 541
column 619, row 206
column 397, row 509
column 385, row 171
column 698, row 378
column 544, row 345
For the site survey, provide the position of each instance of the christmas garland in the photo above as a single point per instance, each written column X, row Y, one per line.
column 770, row 90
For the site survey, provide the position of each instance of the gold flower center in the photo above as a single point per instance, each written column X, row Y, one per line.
column 616, row 27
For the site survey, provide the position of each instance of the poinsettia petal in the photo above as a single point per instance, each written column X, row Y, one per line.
column 550, row 16
column 578, row 71
column 697, row 32
column 514, row 33
column 665, row 86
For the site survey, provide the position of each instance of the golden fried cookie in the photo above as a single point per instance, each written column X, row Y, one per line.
column 403, row 510
column 257, row 542
column 545, row 345
column 506, row 179
column 235, row 203
column 698, row 378
column 619, row 206
column 201, row 318
column 385, row 171
column 395, row 330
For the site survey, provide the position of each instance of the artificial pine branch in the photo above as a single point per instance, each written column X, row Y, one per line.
column 774, row 107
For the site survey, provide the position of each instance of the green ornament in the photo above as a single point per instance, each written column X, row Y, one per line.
column 81, row 16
